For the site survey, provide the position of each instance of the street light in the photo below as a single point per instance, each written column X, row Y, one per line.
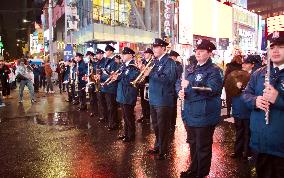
column 26, row 21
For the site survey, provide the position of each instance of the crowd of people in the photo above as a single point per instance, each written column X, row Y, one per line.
column 254, row 89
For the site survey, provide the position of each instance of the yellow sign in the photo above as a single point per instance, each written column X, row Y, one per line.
column 40, row 38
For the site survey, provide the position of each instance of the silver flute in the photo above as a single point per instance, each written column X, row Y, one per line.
column 267, row 79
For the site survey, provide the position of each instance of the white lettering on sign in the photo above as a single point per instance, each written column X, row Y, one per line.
column 167, row 15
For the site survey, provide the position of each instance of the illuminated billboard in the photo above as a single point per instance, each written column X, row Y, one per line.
column 275, row 23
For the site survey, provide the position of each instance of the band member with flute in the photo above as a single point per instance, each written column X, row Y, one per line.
column 127, row 94
column 162, row 79
column 202, row 108
column 145, row 117
column 266, row 100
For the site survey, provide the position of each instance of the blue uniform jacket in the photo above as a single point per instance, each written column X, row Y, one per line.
column 239, row 109
column 126, row 93
column 202, row 108
column 109, row 66
column 162, row 80
column 82, row 71
column 67, row 73
column 266, row 138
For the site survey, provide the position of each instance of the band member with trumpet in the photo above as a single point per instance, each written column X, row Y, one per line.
column 91, row 83
column 266, row 100
column 81, row 72
column 145, row 117
column 109, row 91
column 126, row 93
column 162, row 78
column 174, row 55
column 201, row 94
column 100, row 95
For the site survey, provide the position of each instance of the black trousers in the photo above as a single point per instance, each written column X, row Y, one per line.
column 200, row 140
column 111, row 110
column 93, row 99
column 242, row 137
column 5, row 87
column 144, row 104
column 129, row 120
column 36, row 83
column 82, row 97
column 42, row 82
column 161, row 125
column 174, row 114
column 71, row 91
column 269, row 166
column 102, row 105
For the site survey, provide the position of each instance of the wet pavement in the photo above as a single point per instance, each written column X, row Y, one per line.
column 51, row 139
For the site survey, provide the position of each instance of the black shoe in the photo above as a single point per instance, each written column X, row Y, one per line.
column 33, row 101
column 126, row 139
column 160, row 157
column 187, row 174
column 112, row 128
column 83, row 108
column 235, row 155
column 92, row 114
column 121, row 137
column 140, row 120
column 75, row 103
column 153, row 151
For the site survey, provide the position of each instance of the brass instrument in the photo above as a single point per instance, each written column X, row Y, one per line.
column 141, row 77
column 90, row 68
column 110, row 80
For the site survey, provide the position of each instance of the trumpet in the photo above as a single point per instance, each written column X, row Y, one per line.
column 110, row 79
column 141, row 77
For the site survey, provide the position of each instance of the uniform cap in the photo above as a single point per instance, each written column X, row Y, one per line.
column 207, row 45
column 160, row 42
column 127, row 50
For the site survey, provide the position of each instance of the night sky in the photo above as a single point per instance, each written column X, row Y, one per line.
column 13, row 13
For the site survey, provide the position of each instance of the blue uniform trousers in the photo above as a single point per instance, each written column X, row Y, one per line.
column 200, row 140
column 161, row 125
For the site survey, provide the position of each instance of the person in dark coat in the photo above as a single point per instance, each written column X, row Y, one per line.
column 235, row 64
column 266, row 120
column 36, row 72
column 201, row 92
column 109, row 90
column 174, row 55
column 127, row 93
column 4, row 76
column 161, row 97
column 241, row 113
column 145, row 117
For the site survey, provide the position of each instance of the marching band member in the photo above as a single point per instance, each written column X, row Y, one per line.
column 238, row 80
column 162, row 79
column 127, row 94
column 201, row 93
column 174, row 55
column 82, row 71
column 100, row 95
column 109, row 91
column 91, row 89
column 266, row 100
column 145, row 117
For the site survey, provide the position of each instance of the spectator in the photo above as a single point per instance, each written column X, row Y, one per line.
column 48, row 74
column 25, row 76
column 4, row 76
column 235, row 64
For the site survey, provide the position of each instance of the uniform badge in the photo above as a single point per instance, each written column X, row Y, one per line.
column 127, row 71
column 275, row 35
column 198, row 77
column 159, row 68
column 282, row 85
